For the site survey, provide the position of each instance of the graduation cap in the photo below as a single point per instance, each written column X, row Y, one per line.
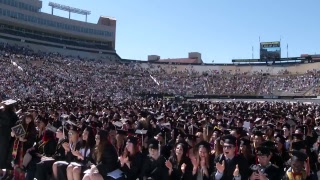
column 270, row 126
column 159, row 117
column 278, row 131
column 229, row 139
column 51, row 128
column 122, row 132
column 8, row 103
column 118, row 124
column 291, row 122
column 297, row 136
column 191, row 137
column 299, row 156
column 103, row 134
column 226, row 131
column 42, row 119
column 262, row 150
column 111, row 127
column 204, row 144
column 132, row 139
column 298, row 145
column 268, row 144
column 258, row 133
column 280, row 138
column 141, row 132
column 153, row 144
column 244, row 142
column 75, row 128
column 303, row 129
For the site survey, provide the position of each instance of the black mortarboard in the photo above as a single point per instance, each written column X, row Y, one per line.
column 103, row 134
column 153, row 144
column 122, row 132
column 303, row 129
column 226, row 131
column 75, row 128
column 280, row 138
column 268, row 144
column 229, row 139
column 298, row 145
column 270, row 126
column 299, row 156
column 257, row 133
column 42, row 119
column 244, row 142
column 131, row 131
column 204, row 144
column 278, row 131
column 237, row 129
column 287, row 126
column 132, row 140
column 297, row 136
column 191, row 137
column 111, row 127
column 262, row 150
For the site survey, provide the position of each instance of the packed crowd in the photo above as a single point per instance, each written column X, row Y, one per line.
column 81, row 119
column 159, row 139
column 72, row 76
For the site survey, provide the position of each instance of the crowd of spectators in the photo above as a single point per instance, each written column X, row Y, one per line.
column 72, row 76
column 93, row 97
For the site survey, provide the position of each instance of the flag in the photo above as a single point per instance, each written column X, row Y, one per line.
column 154, row 79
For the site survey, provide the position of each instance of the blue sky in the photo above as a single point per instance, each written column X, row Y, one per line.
column 220, row 30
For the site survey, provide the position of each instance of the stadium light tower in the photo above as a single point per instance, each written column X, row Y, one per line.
column 69, row 9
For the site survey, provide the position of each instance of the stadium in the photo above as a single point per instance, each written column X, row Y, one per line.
column 59, row 68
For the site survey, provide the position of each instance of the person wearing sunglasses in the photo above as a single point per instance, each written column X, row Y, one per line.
column 230, row 165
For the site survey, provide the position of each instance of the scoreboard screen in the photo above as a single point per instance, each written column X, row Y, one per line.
column 270, row 51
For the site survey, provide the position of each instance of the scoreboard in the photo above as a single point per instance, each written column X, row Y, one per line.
column 270, row 51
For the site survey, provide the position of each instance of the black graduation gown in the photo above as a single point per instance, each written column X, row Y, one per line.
column 272, row 172
column 44, row 168
column 285, row 177
column 231, row 166
column 176, row 169
column 7, row 121
column 136, row 162
column 166, row 151
column 277, row 161
column 108, row 161
column 47, row 150
column 155, row 169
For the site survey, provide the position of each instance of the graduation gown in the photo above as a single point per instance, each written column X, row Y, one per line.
column 272, row 172
column 290, row 176
column 231, row 166
column 155, row 169
column 136, row 162
column 44, row 168
column 7, row 121
column 176, row 169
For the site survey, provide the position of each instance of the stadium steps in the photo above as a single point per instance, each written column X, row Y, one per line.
column 309, row 92
column 262, row 83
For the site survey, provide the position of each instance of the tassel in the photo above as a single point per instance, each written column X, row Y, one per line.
column 237, row 149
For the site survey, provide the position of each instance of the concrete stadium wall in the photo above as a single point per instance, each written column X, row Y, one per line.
column 273, row 70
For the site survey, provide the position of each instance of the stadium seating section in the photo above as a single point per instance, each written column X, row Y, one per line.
column 25, row 73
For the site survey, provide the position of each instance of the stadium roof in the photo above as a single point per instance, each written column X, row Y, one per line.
column 180, row 60
column 69, row 9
